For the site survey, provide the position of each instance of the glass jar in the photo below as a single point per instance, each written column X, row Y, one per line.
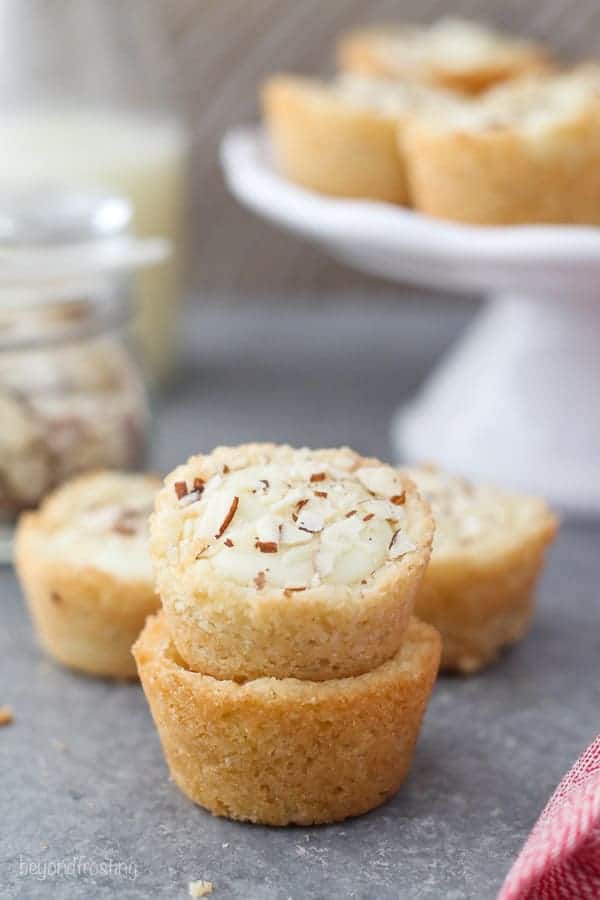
column 72, row 396
column 87, row 98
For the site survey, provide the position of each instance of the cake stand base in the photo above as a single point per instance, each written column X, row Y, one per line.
column 516, row 402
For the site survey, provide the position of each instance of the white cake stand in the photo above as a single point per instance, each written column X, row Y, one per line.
column 517, row 400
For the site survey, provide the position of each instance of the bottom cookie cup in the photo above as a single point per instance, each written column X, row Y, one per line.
column 286, row 751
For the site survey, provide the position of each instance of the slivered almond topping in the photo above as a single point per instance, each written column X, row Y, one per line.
column 311, row 522
column 400, row 544
column 267, row 546
column 228, row 518
column 226, row 469
column 314, row 540
column 190, row 498
column 180, row 488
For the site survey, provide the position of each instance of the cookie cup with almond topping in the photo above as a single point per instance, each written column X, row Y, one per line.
column 278, row 562
column 487, row 557
column 83, row 563
column 528, row 152
column 287, row 751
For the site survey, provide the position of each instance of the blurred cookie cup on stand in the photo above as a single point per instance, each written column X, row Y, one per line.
column 339, row 137
column 526, row 153
column 455, row 54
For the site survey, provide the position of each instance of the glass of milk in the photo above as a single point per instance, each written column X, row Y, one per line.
column 87, row 100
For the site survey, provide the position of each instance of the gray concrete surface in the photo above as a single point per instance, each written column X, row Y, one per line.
column 83, row 783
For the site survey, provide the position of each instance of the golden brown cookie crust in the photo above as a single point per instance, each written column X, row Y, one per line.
column 480, row 594
column 249, row 631
column 502, row 177
column 481, row 607
column 284, row 751
column 332, row 147
column 527, row 152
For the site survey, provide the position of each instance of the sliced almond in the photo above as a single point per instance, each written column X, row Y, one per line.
column 380, row 480
column 310, row 521
column 290, row 534
column 400, row 544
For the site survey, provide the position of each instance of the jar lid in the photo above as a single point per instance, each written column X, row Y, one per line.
column 56, row 233
column 57, row 215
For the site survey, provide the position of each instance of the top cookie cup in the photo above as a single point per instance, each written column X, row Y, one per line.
column 272, row 561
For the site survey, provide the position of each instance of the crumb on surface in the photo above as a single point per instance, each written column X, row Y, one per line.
column 6, row 715
column 200, row 888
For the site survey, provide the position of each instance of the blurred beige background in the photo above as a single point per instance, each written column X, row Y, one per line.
column 225, row 47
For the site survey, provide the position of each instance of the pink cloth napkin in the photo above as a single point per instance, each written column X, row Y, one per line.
column 561, row 857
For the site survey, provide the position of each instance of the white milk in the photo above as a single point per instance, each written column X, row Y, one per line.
column 142, row 158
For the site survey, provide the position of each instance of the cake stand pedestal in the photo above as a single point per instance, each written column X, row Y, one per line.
column 516, row 401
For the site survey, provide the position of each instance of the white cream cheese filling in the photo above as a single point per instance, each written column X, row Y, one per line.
column 110, row 536
column 293, row 526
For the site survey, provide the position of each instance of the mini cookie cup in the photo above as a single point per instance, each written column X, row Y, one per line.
column 245, row 631
column 285, row 751
column 380, row 51
column 86, row 616
column 480, row 592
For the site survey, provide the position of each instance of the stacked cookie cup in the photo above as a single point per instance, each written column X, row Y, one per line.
column 285, row 671
column 285, row 674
